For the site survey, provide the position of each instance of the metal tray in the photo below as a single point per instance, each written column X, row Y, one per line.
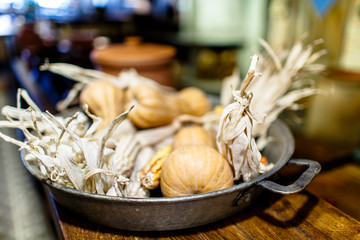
column 160, row 213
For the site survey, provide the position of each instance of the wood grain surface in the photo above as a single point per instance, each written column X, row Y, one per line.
column 340, row 186
column 296, row 216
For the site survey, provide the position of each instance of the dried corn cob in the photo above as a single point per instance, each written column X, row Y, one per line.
column 150, row 175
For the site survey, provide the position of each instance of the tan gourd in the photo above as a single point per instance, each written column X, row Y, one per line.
column 154, row 107
column 193, row 101
column 192, row 135
column 104, row 99
column 194, row 169
column 189, row 135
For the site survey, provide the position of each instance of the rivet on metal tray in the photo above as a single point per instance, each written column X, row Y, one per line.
column 243, row 196
column 246, row 197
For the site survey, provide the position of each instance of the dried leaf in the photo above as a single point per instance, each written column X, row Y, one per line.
column 279, row 80
column 73, row 171
column 232, row 81
column 234, row 137
column 109, row 131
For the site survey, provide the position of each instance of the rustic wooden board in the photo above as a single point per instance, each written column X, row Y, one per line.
column 340, row 186
column 295, row 216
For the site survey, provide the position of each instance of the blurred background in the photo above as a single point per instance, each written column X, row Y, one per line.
column 193, row 43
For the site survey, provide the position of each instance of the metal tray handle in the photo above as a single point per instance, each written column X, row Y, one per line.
column 304, row 180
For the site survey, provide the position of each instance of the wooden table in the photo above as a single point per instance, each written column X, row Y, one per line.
column 296, row 216
column 340, row 186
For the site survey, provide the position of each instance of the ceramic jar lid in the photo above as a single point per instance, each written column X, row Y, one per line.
column 133, row 53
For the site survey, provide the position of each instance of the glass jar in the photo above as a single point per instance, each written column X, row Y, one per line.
column 330, row 122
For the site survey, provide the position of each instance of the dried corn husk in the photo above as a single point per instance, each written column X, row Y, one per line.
column 234, row 137
column 281, row 84
column 70, row 154
column 155, row 136
column 123, row 159
column 135, row 188
column 232, row 81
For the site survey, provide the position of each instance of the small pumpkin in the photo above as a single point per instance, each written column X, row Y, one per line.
column 193, row 135
column 193, row 101
column 104, row 99
column 155, row 107
column 194, row 169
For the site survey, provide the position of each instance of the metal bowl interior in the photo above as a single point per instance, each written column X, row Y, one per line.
column 160, row 213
